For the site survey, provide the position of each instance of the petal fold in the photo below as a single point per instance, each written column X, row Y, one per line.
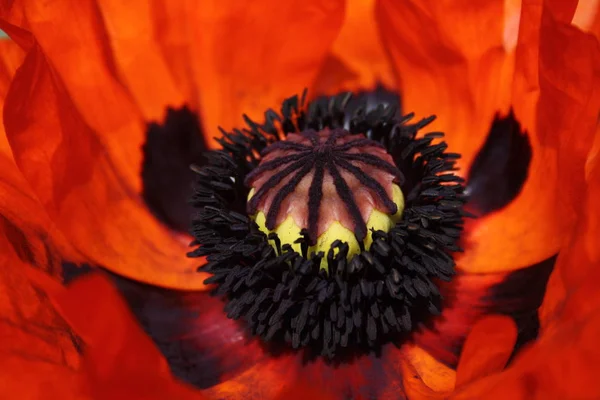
column 120, row 360
column 248, row 59
column 84, row 191
column 450, row 60
column 555, row 95
column 487, row 349
column 357, row 60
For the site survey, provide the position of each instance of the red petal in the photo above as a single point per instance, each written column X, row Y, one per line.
column 263, row 381
column 463, row 74
column 121, row 361
column 37, row 354
column 38, row 357
column 587, row 16
column 302, row 391
column 563, row 364
column 468, row 298
column 487, row 349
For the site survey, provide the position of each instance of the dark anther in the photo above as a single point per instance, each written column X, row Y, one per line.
column 170, row 148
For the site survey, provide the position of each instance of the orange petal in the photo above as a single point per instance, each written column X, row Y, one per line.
column 487, row 349
column 464, row 76
column 470, row 297
column 121, row 361
column 572, row 288
column 569, row 95
column 556, row 98
column 562, row 365
column 84, row 65
column 132, row 33
column 11, row 57
column 357, row 60
column 263, row 381
column 587, row 16
column 82, row 187
column 18, row 204
column 423, row 377
column 565, row 361
column 248, row 59
column 450, row 60
column 173, row 25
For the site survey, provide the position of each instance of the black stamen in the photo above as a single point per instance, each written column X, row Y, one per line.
column 284, row 146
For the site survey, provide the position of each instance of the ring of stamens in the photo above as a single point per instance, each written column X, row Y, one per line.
column 360, row 302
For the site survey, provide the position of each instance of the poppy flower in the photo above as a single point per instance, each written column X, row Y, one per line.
column 106, row 106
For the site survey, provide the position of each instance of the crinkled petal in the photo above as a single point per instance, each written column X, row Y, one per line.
column 422, row 375
column 564, row 362
column 248, row 59
column 304, row 390
column 487, row 349
column 172, row 31
column 132, row 29
column 451, row 61
column 556, row 98
column 84, row 191
column 564, row 365
column 265, row 380
column 38, row 352
column 471, row 297
column 120, row 361
column 572, row 287
column 587, row 16
column 357, row 60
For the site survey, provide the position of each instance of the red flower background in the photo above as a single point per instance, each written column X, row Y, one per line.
column 80, row 79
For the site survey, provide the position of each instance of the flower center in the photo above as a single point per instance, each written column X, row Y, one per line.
column 328, row 185
column 313, row 236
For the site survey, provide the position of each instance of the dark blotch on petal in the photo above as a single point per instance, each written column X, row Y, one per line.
column 170, row 149
column 201, row 345
column 71, row 271
column 500, row 168
column 521, row 295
